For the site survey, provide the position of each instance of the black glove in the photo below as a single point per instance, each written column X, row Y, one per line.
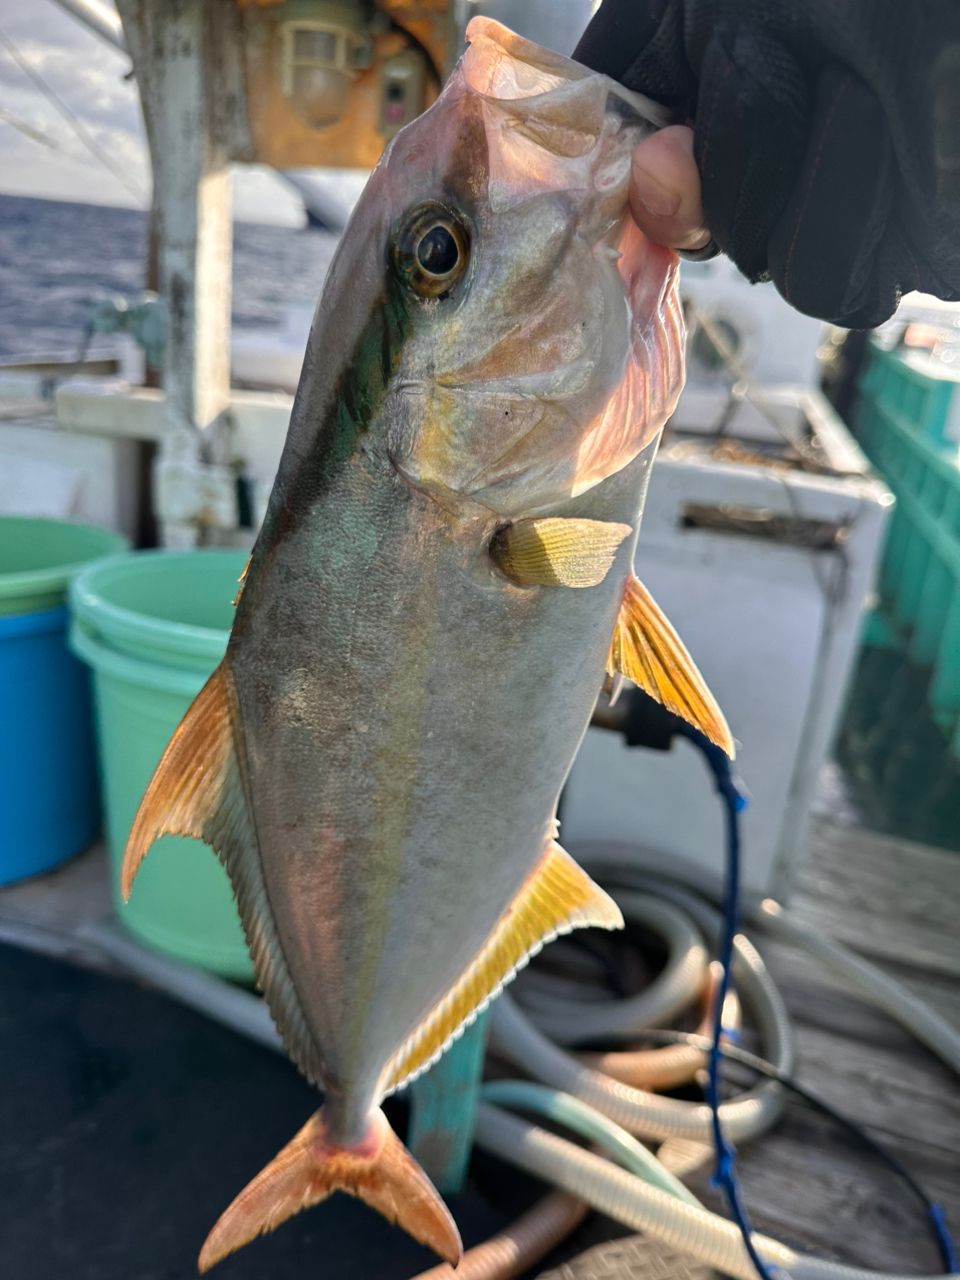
column 827, row 134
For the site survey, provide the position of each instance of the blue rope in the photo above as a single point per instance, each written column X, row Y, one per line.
column 725, row 1173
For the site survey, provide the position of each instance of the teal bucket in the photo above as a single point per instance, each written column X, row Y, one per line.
column 152, row 626
column 47, row 759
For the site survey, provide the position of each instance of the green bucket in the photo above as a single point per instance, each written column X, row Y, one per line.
column 39, row 557
column 152, row 626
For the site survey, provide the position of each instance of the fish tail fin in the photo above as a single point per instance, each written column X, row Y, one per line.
column 378, row 1170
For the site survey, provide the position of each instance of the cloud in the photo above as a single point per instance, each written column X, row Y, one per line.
column 89, row 76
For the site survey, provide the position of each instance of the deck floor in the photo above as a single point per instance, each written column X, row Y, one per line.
column 805, row 1183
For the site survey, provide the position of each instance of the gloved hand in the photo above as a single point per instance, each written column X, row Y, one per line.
column 827, row 136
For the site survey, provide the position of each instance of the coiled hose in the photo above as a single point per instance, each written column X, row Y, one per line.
column 664, row 1210
column 622, row 1196
column 514, row 1037
column 521, row 1245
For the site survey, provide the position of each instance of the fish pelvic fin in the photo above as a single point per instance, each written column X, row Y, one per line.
column 199, row 789
column 557, row 897
column 557, row 551
column 378, row 1170
column 646, row 649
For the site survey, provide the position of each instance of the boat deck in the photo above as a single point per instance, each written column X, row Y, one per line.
column 805, row 1182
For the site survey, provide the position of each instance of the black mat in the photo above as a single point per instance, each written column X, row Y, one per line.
column 127, row 1123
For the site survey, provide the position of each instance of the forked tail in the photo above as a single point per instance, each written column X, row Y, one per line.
column 378, row 1170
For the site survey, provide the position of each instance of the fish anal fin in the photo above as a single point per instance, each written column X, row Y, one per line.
column 377, row 1170
column 557, row 551
column 557, row 897
column 198, row 790
column 646, row 649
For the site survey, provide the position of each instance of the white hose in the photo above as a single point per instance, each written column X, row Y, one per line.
column 647, row 1114
column 638, row 867
column 687, row 1229
column 568, row 1020
column 867, row 980
column 639, row 1112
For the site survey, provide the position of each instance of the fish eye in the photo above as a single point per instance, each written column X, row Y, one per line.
column 432, row 250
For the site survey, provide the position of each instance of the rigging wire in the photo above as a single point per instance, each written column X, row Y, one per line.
column 36, row 135
column 73, row 120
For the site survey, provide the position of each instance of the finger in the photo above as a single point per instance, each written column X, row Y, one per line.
column 665, row 190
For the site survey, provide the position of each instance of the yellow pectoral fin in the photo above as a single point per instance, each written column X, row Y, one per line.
column 556, row 551
column 646, row 649
column 557, row 897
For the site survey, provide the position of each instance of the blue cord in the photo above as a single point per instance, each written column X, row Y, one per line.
column 734, row 802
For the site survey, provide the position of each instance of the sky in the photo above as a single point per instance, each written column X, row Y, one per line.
column 89, row 76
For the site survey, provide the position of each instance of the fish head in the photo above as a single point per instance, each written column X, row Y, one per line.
column 530, row 341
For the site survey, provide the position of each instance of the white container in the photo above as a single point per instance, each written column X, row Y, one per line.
column 773, row 625
column 772, row 344
column 46, row 471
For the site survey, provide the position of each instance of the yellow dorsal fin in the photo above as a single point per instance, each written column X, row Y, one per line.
column 557, row 551
column 646, row 649
column 557, row 897
column 198, row 790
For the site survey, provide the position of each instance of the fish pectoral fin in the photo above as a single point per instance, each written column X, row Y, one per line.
column 198, row 790
column 378, row 1170
column 556, row 551
column 558, row 896
column 646, row 649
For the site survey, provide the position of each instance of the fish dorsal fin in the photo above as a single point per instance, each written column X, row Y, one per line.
column 646, row 649
column 558, row 896
column 557, row 551
column 198, row 790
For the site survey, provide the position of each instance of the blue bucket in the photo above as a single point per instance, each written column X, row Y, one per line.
column 47, row 753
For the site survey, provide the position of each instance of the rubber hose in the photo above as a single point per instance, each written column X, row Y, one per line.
column 749, row 971
column 521, row 1245
column 868, row 981
column 685, row 1228
column 568, row 1020
column 573, row 1114
column 673, row 1065
column 752, row 1113
column 514, row 1037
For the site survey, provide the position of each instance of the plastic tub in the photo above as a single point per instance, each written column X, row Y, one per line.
column 47, row 759
column 152, row 626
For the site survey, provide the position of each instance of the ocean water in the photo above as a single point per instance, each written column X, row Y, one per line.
column 55, row 256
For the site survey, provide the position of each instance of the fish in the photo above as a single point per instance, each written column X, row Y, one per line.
column 442, row 579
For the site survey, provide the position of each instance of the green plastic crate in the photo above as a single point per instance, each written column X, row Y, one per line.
column 901, row 419
column 924, row 393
